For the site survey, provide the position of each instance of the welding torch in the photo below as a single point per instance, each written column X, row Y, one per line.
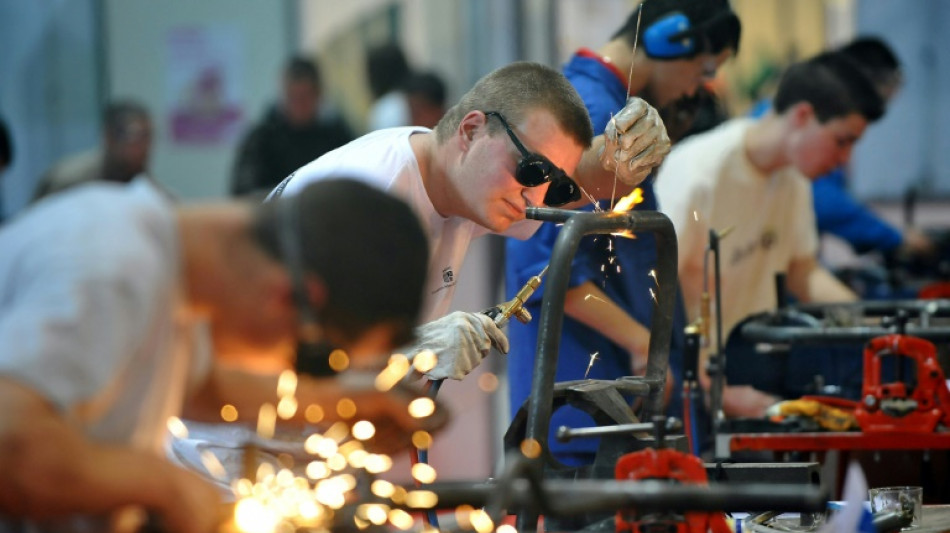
column 503, row 312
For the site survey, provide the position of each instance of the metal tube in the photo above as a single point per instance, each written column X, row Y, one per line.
column 770, row 333
column 571, row 497
column 565, row 433
column 577, row 224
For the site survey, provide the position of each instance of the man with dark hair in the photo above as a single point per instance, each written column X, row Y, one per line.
column 112, row 301
column 748, row 177
column 836, row 210
column 509, row 143
column 291, row 134
column 124, row 154
column 425, row 95
column 614, row 324
column 387, row 70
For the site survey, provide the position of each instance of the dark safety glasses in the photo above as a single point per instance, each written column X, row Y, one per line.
column 535, row 169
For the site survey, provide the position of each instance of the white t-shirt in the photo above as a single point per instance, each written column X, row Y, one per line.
column 707, row 181
column 385, row 159
column 89, row 288
column 391, row 110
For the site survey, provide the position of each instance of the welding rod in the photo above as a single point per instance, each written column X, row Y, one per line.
column 565, row 434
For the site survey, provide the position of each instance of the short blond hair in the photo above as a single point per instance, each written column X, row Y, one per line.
column 516, row 89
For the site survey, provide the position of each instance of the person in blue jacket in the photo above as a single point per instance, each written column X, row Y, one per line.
column 609, row 304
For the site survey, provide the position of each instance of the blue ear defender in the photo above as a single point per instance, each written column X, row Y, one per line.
column 669, row 38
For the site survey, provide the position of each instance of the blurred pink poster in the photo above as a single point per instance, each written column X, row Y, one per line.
column 204, row 66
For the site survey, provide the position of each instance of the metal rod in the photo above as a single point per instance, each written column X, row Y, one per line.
column 577, row 224
column 572, row 497
column 761, row 332
column 565, row 433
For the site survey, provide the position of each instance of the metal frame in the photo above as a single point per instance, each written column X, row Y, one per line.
column 578, row 224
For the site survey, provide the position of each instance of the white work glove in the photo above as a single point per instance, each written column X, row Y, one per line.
column 635, row 142
column 460, row 340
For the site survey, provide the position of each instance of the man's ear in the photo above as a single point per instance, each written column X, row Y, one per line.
column 468, row 128
column 802, row 113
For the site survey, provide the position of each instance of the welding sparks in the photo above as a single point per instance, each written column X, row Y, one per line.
column 653, row 295
column 652, row 274
column 421, row 407
column 278, row 501
column 266, row 420
column 592, row 297
column 287, row 383
column 593, row 358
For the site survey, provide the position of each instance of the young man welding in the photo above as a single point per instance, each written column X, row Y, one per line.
column 511, row 142
column 608, row 306
column 110, row 298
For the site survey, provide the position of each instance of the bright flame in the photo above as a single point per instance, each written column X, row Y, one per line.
column 629, row 201
column 506, row 528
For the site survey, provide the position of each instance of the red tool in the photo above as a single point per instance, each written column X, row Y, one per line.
column 677, row 467
column 891, row 407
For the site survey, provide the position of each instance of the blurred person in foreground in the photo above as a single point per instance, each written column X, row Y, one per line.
column 112, row 300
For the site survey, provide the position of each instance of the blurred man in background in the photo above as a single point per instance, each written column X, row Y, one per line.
column 290, row 135
column 124, row 153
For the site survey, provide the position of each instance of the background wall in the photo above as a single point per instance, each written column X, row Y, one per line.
column 137, row 51
column 910, row 146
column 50, row 87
